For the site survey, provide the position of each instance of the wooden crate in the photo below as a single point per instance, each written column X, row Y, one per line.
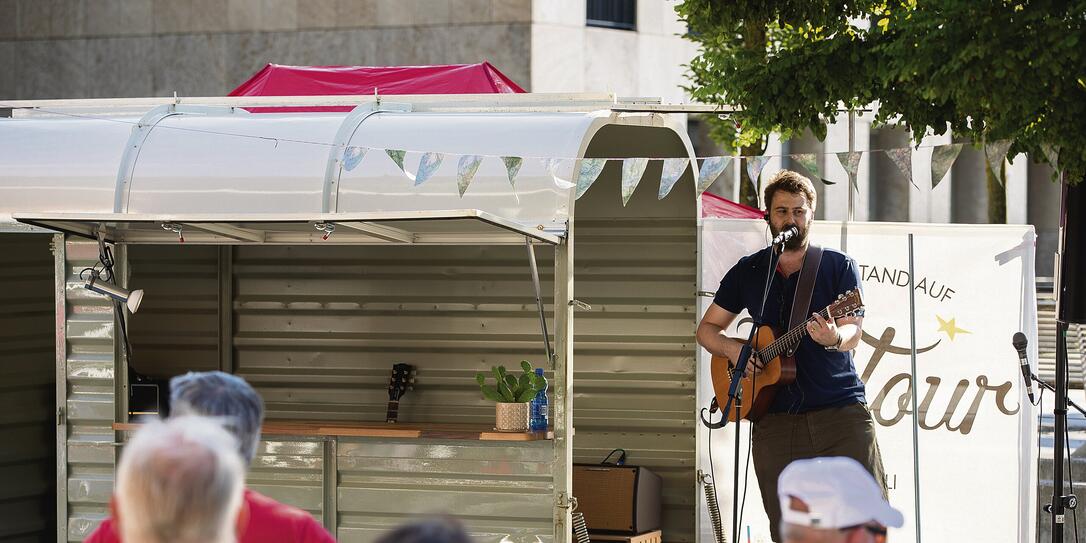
column 655, row 536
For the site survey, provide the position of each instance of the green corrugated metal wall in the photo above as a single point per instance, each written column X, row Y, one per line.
column 27, row 381
column 89, row 366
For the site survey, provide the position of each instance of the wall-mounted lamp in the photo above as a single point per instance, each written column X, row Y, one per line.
column 131, row 299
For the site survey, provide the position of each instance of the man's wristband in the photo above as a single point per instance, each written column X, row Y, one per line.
column 836, row 346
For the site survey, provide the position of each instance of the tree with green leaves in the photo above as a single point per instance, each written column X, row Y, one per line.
column 987, row 70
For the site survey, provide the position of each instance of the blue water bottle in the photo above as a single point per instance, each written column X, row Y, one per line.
column 539, row 408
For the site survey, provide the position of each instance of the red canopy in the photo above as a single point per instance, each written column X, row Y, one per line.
column 723, row 208
column 280, row 80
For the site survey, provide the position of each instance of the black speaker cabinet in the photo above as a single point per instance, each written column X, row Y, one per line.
column 1072, row 294
column 617, row 499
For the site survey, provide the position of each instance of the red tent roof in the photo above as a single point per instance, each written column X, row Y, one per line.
column 723, row 208
column 280, row 80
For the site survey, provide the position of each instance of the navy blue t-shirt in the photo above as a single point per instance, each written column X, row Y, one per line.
column 823, row 378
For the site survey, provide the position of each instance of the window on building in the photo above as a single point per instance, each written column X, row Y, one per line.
column 621, row 14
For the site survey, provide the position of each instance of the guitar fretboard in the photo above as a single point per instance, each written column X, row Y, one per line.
column 393, row 411
column 789, row 339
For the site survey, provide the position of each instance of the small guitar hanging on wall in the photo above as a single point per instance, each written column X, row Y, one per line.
column 402, row 380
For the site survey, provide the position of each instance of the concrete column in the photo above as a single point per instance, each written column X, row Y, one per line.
column 809, row 144
column 774, row 149
column 969, row 193
column 927, row 204
column 891, row 192
column 837, row 195
column 1043, row 212
column 1017, row 180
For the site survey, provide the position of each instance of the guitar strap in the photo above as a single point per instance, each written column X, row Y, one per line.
column 801, row 303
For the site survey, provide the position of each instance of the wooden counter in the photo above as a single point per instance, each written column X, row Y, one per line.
column 472, row 432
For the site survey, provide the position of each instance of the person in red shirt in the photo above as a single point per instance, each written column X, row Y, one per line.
column 241, row 410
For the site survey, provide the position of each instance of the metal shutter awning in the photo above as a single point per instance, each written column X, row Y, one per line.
column 455, row 227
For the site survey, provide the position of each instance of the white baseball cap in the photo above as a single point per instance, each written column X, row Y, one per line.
column 837, row 492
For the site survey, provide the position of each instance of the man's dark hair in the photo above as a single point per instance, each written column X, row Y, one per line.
column 222, row 396
column 789, row 181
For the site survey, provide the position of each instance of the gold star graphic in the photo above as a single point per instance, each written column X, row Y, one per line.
column 950, row 328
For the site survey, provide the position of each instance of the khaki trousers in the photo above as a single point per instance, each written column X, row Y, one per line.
column 780, row 438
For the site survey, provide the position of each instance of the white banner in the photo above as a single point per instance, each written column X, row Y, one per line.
column 977, row 438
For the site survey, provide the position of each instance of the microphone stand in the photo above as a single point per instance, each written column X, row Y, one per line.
column 735, row 390
column 1069, row 501
column 1060, row 501
column 1052, row 389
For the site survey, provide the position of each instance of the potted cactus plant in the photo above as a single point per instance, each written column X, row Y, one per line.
column 512, row 395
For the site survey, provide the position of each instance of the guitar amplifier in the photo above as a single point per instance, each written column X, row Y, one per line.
column 617, row 499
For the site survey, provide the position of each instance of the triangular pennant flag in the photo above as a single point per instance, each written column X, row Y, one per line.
column 850, row 160
column 673, row 169
column 809, row 162
column 633, row 169
column 352, row 156
column 755, row 164
column 1052, row 154
column 995, row 153
column 512, row 168
column 428, row 164
column 942, row 158
column 903, row 158
column 711, row 168
column 397, row 156
column 556, row 167
column 587, row 172
column 465, row 171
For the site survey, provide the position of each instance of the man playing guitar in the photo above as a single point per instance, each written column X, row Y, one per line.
column 823, row 412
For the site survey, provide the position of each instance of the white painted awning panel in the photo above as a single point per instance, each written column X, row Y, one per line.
column 63, row 164
column 277, row 163
column 193, row 161
column 232, row 163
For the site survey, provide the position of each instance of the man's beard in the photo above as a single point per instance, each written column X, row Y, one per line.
column 797, row 242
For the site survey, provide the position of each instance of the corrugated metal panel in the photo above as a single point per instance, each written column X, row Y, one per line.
column 177, row 330
column 291, row 471
column 89, row 330
column 501, row 492
column 177, row 327
column 317, row 329
column 634, row 374
column 27, row 426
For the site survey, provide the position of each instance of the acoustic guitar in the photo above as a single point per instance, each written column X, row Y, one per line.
column 775, row 352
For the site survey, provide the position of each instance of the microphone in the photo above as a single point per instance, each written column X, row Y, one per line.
column 1020, row 343
column 785, row 235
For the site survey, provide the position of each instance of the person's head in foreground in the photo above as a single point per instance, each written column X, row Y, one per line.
column 179, row 481
column 435, row 530
column 223, row 396
column 833, row 500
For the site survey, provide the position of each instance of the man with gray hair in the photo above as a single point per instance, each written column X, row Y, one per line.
column 229, row 399
column 179, row 481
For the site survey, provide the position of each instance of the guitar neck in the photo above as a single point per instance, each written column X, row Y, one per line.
column 393, row 411
column 790, row 338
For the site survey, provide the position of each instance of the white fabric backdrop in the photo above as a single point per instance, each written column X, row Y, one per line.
column 977, row 439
